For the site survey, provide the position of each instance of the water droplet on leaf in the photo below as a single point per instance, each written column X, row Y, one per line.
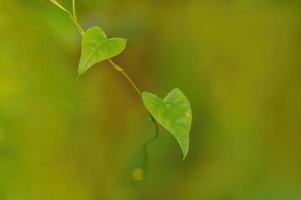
column 188, row 115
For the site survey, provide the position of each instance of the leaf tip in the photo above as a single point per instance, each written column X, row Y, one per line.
column 79, row 75
column 185, row 155
column 185, row 150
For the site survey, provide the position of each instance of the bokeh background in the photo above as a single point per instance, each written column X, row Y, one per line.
column 238, row 61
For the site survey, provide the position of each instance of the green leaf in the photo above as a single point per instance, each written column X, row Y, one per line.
column 173, row 113
column 96, row 48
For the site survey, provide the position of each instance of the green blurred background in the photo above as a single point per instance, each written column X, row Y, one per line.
column 238, row 61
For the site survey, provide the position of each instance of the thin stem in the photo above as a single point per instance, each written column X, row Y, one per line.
column 79, row 28
column 145, row 146
column 121, row 70
column 74, row 10
column 59, row 6
column 73, row 17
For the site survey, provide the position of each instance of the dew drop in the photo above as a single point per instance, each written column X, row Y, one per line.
column 188, row 115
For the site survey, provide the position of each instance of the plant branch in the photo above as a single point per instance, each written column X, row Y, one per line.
column 74, row 10
column 79, row 28
column 59, row 6
column 121, row 70
column 73, row 17
column 146, row 144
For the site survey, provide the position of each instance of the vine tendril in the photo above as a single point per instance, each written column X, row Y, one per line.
column 73, row 17
column 147, row 143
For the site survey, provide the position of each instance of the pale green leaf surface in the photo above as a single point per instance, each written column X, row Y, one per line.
column 173, row 113
column 96, row 48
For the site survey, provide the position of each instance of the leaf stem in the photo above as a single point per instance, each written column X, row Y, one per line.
column 79, row 28
column 121, row 70
column 74, row 10
column 73, row 17
column 147, row 143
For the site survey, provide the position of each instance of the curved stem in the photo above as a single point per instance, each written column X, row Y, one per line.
column 145, row 146
column 73, row 17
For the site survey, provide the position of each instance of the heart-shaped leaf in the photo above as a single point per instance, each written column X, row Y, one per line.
column 173, row 113
column 96, row 48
